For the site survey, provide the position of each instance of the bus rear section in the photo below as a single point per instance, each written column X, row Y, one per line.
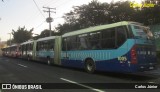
column 143, row 52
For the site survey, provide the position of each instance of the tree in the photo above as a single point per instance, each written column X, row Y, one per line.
column 22, row 35
column 66, row 27
column 45, row 33
column 84, row 16
column 96, row 13
column 10, row 42
column 148, row 16
column 121, row 11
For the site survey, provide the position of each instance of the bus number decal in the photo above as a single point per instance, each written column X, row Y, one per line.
column 122, row 59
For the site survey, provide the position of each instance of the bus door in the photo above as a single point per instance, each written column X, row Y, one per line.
column 57, row 50
column 122, row 46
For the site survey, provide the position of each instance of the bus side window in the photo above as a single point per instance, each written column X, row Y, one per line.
column 51, row 45
column 83, row 44
column 121, row 35
column 32, row 46
column 95, row 41
column 37, row 47
column 45, row 45
column 68, row 43
column 26, row 47
column 108, row 39
column 64, row 45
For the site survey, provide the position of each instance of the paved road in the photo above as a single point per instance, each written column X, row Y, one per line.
column 22, row 71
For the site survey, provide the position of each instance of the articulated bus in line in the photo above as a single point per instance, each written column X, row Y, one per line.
column 125, row 46
column 11, row 51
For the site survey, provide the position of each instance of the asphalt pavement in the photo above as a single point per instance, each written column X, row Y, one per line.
column 22, row 71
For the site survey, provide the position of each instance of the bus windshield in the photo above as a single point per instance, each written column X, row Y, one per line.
column 142, row 32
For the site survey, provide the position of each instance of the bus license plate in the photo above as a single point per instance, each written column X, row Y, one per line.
column 151, row 68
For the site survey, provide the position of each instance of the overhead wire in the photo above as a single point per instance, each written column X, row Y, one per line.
column 40, row 13
column 55, row 3
column 39, row 25
column 32, row 17
column 49, row 3
column 63, row 3
column 38, row 8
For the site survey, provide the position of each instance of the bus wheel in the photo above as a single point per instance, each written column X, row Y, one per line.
column 28, row 58
column 48, row 61
column 89, row 66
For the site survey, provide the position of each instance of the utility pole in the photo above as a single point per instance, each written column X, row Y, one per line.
column 10, row 38
column 49, row 19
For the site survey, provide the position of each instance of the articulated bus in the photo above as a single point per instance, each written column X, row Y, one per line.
column 39, row 50
column 11, row 51
column 118, row 47
column 26, row 50
column 45, row 49
column 125, row 46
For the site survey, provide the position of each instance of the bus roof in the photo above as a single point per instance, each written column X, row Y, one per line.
column 27, row 42
column 135, row 23
column 46, row 38
column 11, row 46
column 100, row 27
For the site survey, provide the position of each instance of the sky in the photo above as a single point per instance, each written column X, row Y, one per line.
column 20, row 13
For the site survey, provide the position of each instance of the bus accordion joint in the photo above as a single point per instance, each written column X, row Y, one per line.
column 134, row 55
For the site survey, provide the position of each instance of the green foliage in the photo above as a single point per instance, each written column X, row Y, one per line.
column 45, row 33
column 22, row 35
column 97, row 13
column 10, row 42
column 121, row 11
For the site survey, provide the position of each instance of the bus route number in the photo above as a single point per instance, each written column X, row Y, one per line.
column 122, row 59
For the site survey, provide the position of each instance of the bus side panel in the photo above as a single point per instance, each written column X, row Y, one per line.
column 119, row 64
column 111, row 65
column 105, row 60
column 71, row 59
column 146, row 54
column 42, row 55
column 119, row 60
column 72, row 63
column 146, row 59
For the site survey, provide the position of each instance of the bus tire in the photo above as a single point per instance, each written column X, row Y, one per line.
column 48, row 61
column 90, row 66
column 28, row 58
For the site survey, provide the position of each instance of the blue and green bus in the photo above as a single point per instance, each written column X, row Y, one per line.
column 118, row 47
column 26, row 50
column 125, row 46
column 44, row 49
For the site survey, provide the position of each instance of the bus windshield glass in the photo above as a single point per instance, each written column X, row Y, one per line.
column 142, row 32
